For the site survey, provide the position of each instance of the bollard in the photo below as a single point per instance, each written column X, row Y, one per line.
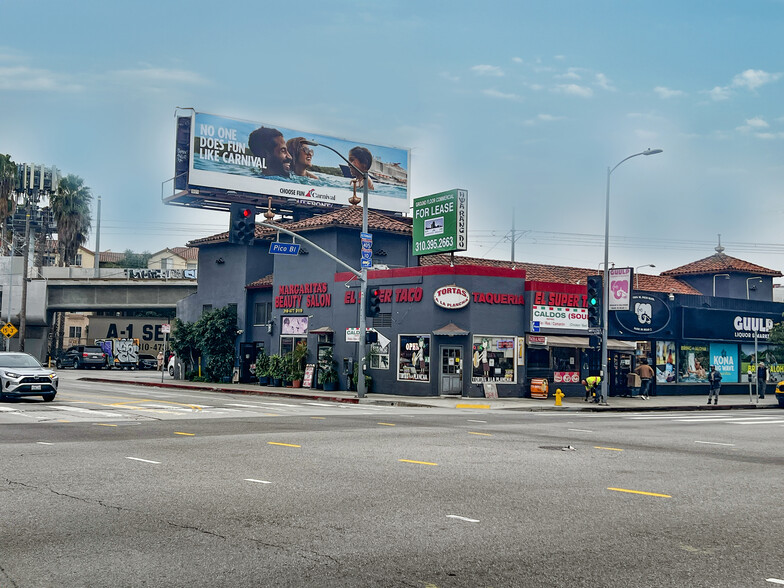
column 558, row 396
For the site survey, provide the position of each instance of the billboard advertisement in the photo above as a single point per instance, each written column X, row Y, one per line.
column 441, row 222
column 620, row 288
column 259, row 158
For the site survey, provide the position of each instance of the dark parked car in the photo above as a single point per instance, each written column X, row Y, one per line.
column 81, row 357
column 147, row 362
column 22, row 375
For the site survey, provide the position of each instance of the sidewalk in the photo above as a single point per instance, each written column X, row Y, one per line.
column 655, row 403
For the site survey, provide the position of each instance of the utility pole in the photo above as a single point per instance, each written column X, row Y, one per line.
column 25, row 270
column 513, row 235
column 97, row 259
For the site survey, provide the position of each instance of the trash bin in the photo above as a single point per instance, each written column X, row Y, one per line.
column 539, row 388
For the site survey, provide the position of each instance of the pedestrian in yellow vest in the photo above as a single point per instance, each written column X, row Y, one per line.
column 591, row 383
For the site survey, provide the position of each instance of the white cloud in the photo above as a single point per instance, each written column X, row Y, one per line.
column 147, row 75
column 571, row 74
column 517, row 59
column 603, row 82
column 503, row 95
column 488, row 70
column 753, row 124
column 559, row 57
column 574, row 90
column 543, row 118
column 754, row 78
column 447, row 76
column 35, row 80
column 719, row 93
column 666, row 93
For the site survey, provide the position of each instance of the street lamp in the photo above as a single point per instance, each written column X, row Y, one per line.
column 636, row 277
column 363, row 270
column 606, row 288
column 747, row 284
column 725, row 276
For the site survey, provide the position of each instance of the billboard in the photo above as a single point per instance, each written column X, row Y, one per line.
column 620, row 288
column 441, row 222
column 259, row 158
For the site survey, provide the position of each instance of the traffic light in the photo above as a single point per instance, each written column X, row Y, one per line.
column 594, row 301
column 242, row 224
column 373, row 307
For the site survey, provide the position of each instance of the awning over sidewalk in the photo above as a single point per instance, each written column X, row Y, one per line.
column 567, row 341
column 450, row 330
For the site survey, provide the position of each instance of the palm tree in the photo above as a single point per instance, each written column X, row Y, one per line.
column 7, row 190
column 71, row 209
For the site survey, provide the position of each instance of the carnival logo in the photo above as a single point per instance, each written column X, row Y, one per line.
column 311, row 193
column 451, row 297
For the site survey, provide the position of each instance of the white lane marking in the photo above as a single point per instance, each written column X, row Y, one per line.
column 467, row 520
column 44, row 443
column 474, row 421
column 6, row 409
column 317, row 404
column 672, row 417
column 257, row 481
column 715, row 443
column 358, row 407
column 759, row 422
column 140, row 459
column 278, row 404
column 245, row 405
column 87, row 411
column 774, row 580
column 580, row 430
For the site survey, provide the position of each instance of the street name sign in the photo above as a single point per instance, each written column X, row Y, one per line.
column 284, row 248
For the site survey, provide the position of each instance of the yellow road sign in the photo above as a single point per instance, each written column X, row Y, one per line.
column 9, row 330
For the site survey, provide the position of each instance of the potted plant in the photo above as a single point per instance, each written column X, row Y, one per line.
column 276, row 369
column 262, row 367
column 328, row 373
column 297, row 367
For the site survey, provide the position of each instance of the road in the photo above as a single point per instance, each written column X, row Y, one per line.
column 128, row 486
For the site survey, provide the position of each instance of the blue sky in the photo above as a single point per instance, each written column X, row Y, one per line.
column 525, row 104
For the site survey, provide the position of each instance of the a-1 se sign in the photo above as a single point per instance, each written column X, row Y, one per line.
column 148, row 331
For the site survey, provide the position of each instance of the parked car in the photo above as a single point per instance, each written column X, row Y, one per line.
column 170, row 366
column 81, row 357
column 22, row 375
column 147, row 362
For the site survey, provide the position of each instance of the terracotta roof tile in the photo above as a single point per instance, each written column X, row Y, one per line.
column 719, row 262
column 563, row 274
column 265, row 282
column 347, row 217
column 187, row 253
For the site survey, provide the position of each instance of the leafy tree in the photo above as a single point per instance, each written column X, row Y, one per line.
column 184, row 341
column 7, row 189
column 136, row 260
column 776, row 342
column 71, row 209
column 212, row 337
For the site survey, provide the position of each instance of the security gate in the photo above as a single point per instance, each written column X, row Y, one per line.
column 451, row 370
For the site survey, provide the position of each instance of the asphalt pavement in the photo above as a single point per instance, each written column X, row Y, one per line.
column 653, row 403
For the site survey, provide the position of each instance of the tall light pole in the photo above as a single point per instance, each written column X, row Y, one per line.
column 606, row 282
column 363, row 270
column 636, row 277
column 725, row 276
column 747, row 284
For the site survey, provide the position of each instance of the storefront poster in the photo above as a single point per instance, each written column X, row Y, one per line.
column 294, row 325
column 693, row 363
column 413, row 360
column 566, row 377
column 560, row 317
column 767, row 354
column 493, row 360
column 665, row 362
column 620, row 288
column 725, row 357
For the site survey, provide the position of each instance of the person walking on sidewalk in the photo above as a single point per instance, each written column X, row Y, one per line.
column 762, row 379
column 646, row 375
column 714, row 378
column 591, row 383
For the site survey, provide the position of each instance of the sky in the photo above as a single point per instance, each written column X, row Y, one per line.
column 526, row 104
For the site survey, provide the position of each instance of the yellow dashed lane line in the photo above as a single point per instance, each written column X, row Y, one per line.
column 473, row 406
column 419, row 462
column 608, row 448
column 283, row 444
column 484, row 434
column 188, row 434
column 640, row 492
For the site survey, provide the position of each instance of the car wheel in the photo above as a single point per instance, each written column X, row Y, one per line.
column 48, row 397
column 171, row 371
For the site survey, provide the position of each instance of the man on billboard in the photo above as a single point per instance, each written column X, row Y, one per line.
column 362, row 159
column 270, row 145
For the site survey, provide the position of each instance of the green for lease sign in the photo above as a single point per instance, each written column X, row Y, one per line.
column 441, row 222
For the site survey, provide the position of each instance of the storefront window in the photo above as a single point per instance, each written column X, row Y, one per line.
column 566, row 366
column 494, row 359
column 379, row 356
column 289, row 343
column 693, row 363
column 413, row 358
column 767, row 353
column 665, row 362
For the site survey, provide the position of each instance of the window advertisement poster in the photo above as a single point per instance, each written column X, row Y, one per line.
column 620, row 288
column 379, row 356
column 693, row 363
column 769, row 354
column 665, row 362
column 294, row 325
column 441, row 222
column 493, row 360
column 413, row 358
column 261, row 158
column 725, row 357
